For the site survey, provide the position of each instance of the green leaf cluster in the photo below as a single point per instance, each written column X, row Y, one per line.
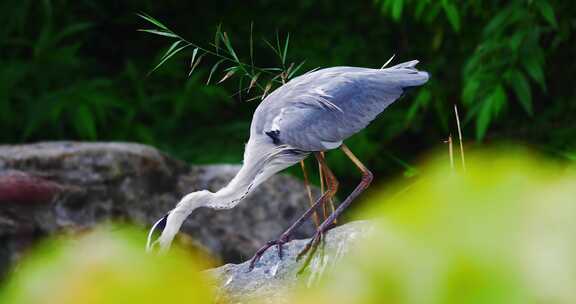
column 507, row 44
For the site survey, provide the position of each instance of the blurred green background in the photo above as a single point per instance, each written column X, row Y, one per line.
column 77, row 70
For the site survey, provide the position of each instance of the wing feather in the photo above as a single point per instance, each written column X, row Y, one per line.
column 317, row 111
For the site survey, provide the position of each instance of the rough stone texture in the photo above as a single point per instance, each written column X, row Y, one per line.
column 273, row 277
column 78, row 185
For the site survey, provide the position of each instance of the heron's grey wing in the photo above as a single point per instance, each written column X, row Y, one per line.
column 324, row 109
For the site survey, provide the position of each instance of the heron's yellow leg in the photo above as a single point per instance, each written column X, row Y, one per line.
column 329, row 222
column 324, row 178
column 321, row 173
column 331, row 189
column 309, row 192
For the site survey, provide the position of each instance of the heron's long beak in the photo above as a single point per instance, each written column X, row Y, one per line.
column 160, row 224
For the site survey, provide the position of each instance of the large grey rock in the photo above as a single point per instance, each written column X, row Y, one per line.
column 272, row 278
column 46, row 188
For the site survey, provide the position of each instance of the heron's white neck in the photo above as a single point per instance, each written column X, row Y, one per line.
column 260, row 162
column 257, row 167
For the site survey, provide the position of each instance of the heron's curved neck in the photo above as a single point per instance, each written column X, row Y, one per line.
column 255, row 169
column 238, row 188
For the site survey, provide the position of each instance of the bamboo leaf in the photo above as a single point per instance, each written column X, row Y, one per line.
column 193, row 56
column 214, row 67
column 253, row 81
column 521, row 88
column 153, row 21
column 287, row 72
column 420, row 101
column 470, row 91
column 497, row 22
column 257, row 97
column 159, row 33
column 171, row 48
column 420, row 9
column 547, row 12
column 228, row 45
column 240, row 87
column 490, row 108
column 266, row 89
column 278, row 44
column 500, row 99
column 452, row 14
column 397, row 6
column 71, row 30
column 483, row 119
column 534, row 69
column 285, row 49
column 291, row 74
column 168, row 56
column 272, row 47
column 272, row 69
column 516, row 40
column 195, row 64
column 252, row 46
column 228, row 75
column 84, row 122
column 217, row 37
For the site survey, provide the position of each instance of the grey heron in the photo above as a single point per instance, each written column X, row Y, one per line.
column 310, row 114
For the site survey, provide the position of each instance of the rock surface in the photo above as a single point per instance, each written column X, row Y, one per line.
column 78, row 185
column 273, row 277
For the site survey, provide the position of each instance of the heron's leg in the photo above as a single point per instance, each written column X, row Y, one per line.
column 321, row 174
column 309, row 192
column 364, row 183
column 325, row 177
column 332, row 188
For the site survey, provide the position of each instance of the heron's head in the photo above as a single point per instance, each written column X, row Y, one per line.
column 171, row 222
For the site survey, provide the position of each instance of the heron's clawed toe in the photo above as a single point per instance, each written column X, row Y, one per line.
column 278, row 243
column 310, row 249
column 312, row 244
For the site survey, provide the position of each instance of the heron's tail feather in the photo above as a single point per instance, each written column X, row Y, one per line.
column 408, row 65
column 407, row 75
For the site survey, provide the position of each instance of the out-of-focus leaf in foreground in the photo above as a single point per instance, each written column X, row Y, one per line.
column 106, row 266
column 503, row 232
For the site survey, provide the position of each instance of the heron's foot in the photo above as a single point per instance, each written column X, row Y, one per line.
column 312, row 244
column 278, row 243
column 310, row 249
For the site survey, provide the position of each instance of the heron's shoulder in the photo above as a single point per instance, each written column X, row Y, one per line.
column 318, row 84
column 311, row 84
column 330, row 72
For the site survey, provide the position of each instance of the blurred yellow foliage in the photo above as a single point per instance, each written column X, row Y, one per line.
column 106, row 266
column 502, row 232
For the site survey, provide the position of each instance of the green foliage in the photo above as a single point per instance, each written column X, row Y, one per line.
column 108, row 265
column 508, row 49
column 501, row 232
column 49, row 88
column 78, row 70
column 227, row 55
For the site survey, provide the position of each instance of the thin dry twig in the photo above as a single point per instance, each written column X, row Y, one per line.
column 460, row 138
column 309, row 191
column 450, row 151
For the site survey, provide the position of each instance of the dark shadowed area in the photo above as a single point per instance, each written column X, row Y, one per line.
column 78, row 70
